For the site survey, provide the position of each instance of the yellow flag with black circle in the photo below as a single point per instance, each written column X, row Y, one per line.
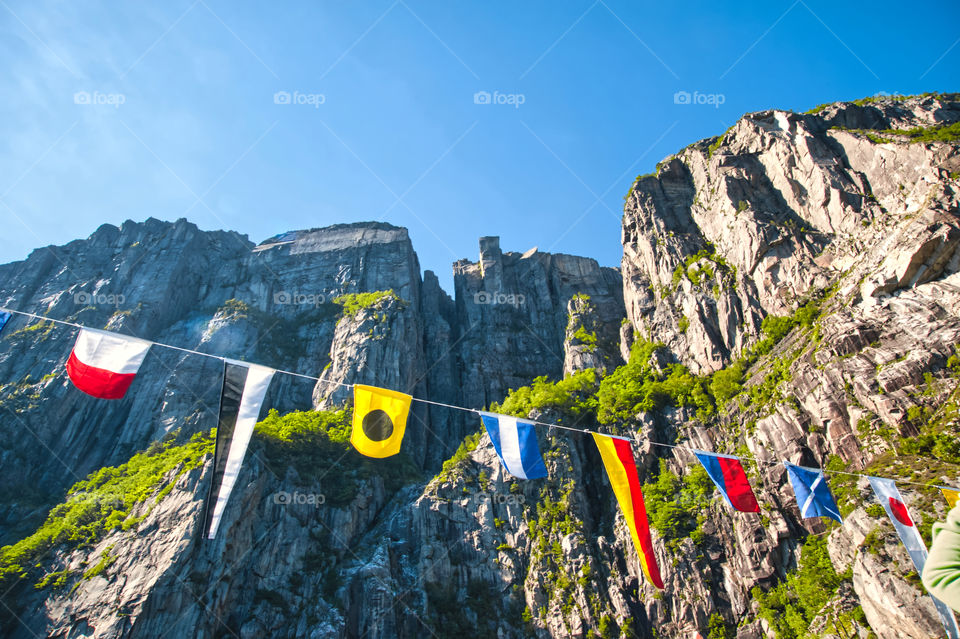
column 379, row 419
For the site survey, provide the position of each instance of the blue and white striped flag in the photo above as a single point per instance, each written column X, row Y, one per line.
column 516, row 444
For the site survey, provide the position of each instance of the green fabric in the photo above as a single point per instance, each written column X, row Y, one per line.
column 941, row 573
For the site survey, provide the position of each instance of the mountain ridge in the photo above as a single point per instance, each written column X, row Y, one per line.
column 788, row 291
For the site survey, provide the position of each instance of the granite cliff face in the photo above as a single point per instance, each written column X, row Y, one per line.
column 800, row 270
column 735, row 228
column 513, row 307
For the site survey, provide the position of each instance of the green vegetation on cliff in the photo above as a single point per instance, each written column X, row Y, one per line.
column 353, row 303
column 702, row 268
column 646, row 383
column 762, row 397
column 317, row 445
column 948, row 133
column 455, row 463
column 574, row 395
column 234, row 309
column 676, row 506
column 919, row 134
column 871, row 99
column 589, row 340
column 105, row 501
column 636, row 387
column 790, row 606
column 38, row 331
column 120, row 497
column 643, row 385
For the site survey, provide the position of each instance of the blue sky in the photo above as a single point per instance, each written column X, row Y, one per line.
column 116, row 111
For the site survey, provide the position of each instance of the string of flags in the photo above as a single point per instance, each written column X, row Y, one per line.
column 104, row 364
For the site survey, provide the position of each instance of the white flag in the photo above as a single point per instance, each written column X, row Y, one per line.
column 244, row 387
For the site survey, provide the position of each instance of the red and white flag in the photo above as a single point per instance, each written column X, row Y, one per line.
column 104, row 364
column 889, row 497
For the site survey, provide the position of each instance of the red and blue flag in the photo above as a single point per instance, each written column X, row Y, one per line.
column 727, row 473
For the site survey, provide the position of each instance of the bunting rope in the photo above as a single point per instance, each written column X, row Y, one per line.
column 582, row 431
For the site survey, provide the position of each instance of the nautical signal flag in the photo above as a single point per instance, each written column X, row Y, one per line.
column 103, row 364
column 813, row 495
column 4, row 318
column 379, row 420
column 727, row 473
column 622, row 470
column 951, row 495
column 889, row 497
column 516, row 444
column 244, row 387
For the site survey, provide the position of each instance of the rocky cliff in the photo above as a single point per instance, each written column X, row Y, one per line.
column 789, row 291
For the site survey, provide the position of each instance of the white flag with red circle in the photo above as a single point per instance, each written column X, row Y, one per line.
column 103, row 364
column 891, row 499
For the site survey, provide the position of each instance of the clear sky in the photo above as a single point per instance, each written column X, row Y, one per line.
column 266, row 117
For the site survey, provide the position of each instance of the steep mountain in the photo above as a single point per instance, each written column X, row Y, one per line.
column 789, row 291
column 811, row 260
